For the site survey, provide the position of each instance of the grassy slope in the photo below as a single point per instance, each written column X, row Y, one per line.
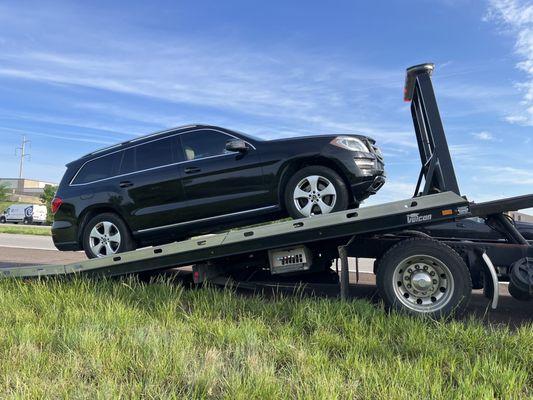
column 26, row 230
column 125, row 339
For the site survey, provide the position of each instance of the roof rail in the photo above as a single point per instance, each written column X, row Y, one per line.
column 141, row 138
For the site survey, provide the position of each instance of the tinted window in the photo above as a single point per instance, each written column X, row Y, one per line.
column 154, row 154
column 128, row 161
column 99, row 168
column 202, row 144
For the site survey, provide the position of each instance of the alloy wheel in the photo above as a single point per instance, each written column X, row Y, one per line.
column 104, row 239
column 314, row 195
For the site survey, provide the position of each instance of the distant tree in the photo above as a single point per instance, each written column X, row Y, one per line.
column 4, row 192
column 49, row 192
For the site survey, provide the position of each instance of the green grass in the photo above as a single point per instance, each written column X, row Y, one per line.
column 26, row 230
column 124, row 339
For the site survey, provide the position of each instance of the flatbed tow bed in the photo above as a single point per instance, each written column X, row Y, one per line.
column 415, row 272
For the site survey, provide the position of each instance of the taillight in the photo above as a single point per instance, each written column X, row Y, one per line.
column 56, row 203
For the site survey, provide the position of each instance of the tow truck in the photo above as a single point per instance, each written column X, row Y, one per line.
column 415, row 272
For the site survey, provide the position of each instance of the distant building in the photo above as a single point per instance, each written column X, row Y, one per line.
column 518, row 216
column 25, row 190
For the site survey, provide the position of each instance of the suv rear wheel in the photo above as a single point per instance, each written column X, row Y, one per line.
column 315, row 190
column 106, row 234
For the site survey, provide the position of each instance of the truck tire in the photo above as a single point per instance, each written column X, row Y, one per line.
column 2, row 220
column 424, row 277
column 106, row 234
column 315, row 190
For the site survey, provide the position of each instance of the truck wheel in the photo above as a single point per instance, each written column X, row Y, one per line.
column 315, row 190
column 26, row 221
column 106, row 234
column 424, row 276
column 2, row 220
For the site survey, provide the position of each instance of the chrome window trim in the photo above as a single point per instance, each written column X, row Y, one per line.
column 160, row 166
column 177, row 128
column 205, row 219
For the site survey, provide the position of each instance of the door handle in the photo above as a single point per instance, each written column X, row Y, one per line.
column 191, row 170
column 125, row 184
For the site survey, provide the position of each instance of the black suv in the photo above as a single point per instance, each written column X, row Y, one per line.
column 198, row 179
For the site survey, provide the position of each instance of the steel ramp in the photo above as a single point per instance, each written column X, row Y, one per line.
column 379, row 218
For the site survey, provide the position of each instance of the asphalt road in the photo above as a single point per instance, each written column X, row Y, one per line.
column 35, row 242
column 32, row 250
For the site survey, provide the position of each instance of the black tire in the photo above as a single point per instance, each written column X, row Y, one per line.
column 2, row 220
column 126, row 241
column 518, row 294
column 454, row 283
column 26, row 221
column 342, row 194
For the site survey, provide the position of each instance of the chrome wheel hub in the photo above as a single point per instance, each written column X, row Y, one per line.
column 423, row 283
column 104, row 239
column 314, row 195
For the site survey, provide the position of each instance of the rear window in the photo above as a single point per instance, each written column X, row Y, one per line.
column 97, row 169
column 150, row 155
column 138, row 158
column 154, row 154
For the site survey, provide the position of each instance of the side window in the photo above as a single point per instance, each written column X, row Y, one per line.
column 99, row 168
column 202, row 144
column 128, row 161
column 154, row 154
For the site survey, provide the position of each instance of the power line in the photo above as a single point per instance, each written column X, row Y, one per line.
column 23, row 154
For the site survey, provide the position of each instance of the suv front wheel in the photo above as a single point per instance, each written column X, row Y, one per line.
column 315, row 190
column 106, row 234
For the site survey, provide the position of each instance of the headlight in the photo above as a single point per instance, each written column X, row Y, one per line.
column 349, row 143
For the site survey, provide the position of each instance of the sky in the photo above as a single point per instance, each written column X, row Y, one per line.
column 77, row 76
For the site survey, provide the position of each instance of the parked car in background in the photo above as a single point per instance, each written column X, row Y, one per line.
column 199, row 179
column 24, row 213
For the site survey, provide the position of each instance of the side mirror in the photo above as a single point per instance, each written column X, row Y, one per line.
column 237, row 145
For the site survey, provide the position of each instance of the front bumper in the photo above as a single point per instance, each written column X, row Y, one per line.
column 364, row 172
column 363, row 189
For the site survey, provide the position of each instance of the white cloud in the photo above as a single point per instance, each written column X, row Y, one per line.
column 483, row 135
column 517, row 18
column 508, row 176
column 308, row 93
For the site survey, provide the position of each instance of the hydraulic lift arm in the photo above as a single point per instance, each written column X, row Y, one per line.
column 437, row 167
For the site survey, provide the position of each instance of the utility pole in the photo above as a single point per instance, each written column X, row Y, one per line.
column 23, row 154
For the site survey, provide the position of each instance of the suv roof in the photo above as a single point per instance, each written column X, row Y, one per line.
column 140, row 139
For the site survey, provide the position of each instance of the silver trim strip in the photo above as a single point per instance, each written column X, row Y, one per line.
column 160, row 166
column 141, row 137
column 205, row 219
